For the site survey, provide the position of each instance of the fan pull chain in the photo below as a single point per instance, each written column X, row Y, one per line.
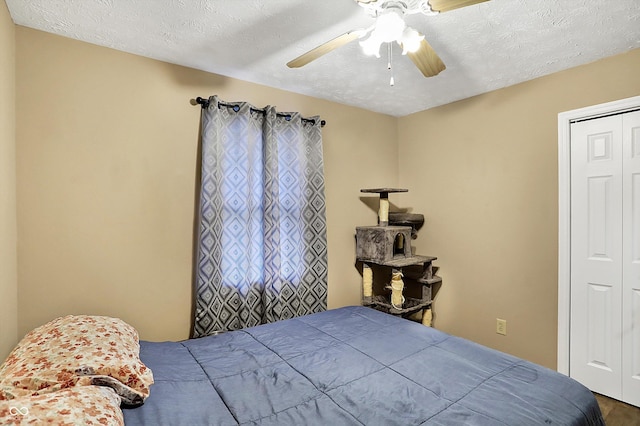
column 389, row 55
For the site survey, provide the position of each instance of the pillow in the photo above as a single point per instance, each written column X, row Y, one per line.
column 77, row 350
column 81, row 405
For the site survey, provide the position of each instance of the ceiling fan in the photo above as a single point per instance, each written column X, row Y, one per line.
column 390, row 27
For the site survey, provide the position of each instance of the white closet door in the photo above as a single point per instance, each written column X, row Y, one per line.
column 596, row 254
column 631, row 260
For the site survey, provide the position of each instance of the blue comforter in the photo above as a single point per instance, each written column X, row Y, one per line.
column 352, row 366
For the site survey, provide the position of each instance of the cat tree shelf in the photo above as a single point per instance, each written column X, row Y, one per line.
column 418, row 269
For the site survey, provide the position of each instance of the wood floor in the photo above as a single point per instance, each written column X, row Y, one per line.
column 618, row 413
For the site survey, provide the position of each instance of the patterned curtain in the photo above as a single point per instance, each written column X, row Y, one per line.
column 262, row 247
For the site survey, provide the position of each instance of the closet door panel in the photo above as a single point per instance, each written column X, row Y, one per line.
column 596, row 254
column 631, row 259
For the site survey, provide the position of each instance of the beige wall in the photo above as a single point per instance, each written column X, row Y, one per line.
column 106, row 163
column 483, row 171
column 8, row 265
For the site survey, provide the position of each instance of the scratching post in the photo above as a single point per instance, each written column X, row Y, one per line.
column 397, row 286
column 367, row 281
column 383, row 210
column 399, row 242
column 427, row 317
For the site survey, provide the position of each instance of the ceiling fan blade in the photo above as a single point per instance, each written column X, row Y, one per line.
column 325, row 48
column 447, row 5
column 426, row 59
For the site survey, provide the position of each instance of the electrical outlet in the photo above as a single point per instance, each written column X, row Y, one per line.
column 501, row 326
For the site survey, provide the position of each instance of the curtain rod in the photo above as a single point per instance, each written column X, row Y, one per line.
column 205, row 104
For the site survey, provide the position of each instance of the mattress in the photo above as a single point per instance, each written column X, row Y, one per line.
column 352, row 366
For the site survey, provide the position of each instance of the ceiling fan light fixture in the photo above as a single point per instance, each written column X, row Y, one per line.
column 389, row 27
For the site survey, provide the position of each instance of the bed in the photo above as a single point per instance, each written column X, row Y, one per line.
column 348, row 366
column 352, row 366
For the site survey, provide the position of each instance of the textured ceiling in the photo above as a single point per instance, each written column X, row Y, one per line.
column 485, row 46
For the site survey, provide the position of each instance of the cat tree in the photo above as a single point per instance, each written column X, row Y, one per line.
column 387, row 247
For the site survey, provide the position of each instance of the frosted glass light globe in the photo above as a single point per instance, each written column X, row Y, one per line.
column 389, row 26
column 410, row 40
column 371, row 46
